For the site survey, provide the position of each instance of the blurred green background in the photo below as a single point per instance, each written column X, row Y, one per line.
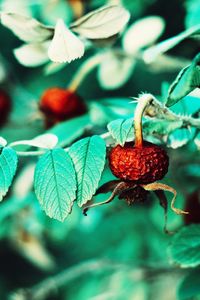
column 116, row 252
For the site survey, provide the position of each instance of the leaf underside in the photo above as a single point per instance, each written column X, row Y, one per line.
column 55, row 183
column 8, row 167
column 121, row 129
column 88, row 156
column 187, row 80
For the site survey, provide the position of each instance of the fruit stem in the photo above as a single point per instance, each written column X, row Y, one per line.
column 143, row 101
column 84, row 70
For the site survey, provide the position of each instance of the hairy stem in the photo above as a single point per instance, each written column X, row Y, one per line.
column 143, row 101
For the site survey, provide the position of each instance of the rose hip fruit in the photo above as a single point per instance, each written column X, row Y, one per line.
column 5, row 106
column 60, row 104
column 141, row 165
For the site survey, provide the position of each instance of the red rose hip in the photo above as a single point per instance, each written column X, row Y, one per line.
column 142, row 165
column 60, row 104
column 139, row 165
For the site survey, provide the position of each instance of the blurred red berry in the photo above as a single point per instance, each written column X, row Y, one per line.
column 5, row 106
column 141, row 165
column 59, row 104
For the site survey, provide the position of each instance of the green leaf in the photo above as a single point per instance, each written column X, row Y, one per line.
column 161, row 126
column 88, row 156
column 187, row 80
column 193, row 12
column 185, row 247
column 8, row 167
column 180, row 137
column 55, row 183
column 121, row 129
column 190, row 286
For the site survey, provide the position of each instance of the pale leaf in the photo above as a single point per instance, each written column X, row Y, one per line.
column 25, row 28
column 32, row 55
column 115, row 70
column 3, row 142
column 143, row 33
column 102, row 23
column 20, row 189
column 45, row 141
column 153, row 52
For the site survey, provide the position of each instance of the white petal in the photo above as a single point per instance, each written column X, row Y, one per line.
column 65, row 46
column 32, row 55
column 143, row 33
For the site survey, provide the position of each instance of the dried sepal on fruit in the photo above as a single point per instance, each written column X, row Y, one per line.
column 139, row 165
